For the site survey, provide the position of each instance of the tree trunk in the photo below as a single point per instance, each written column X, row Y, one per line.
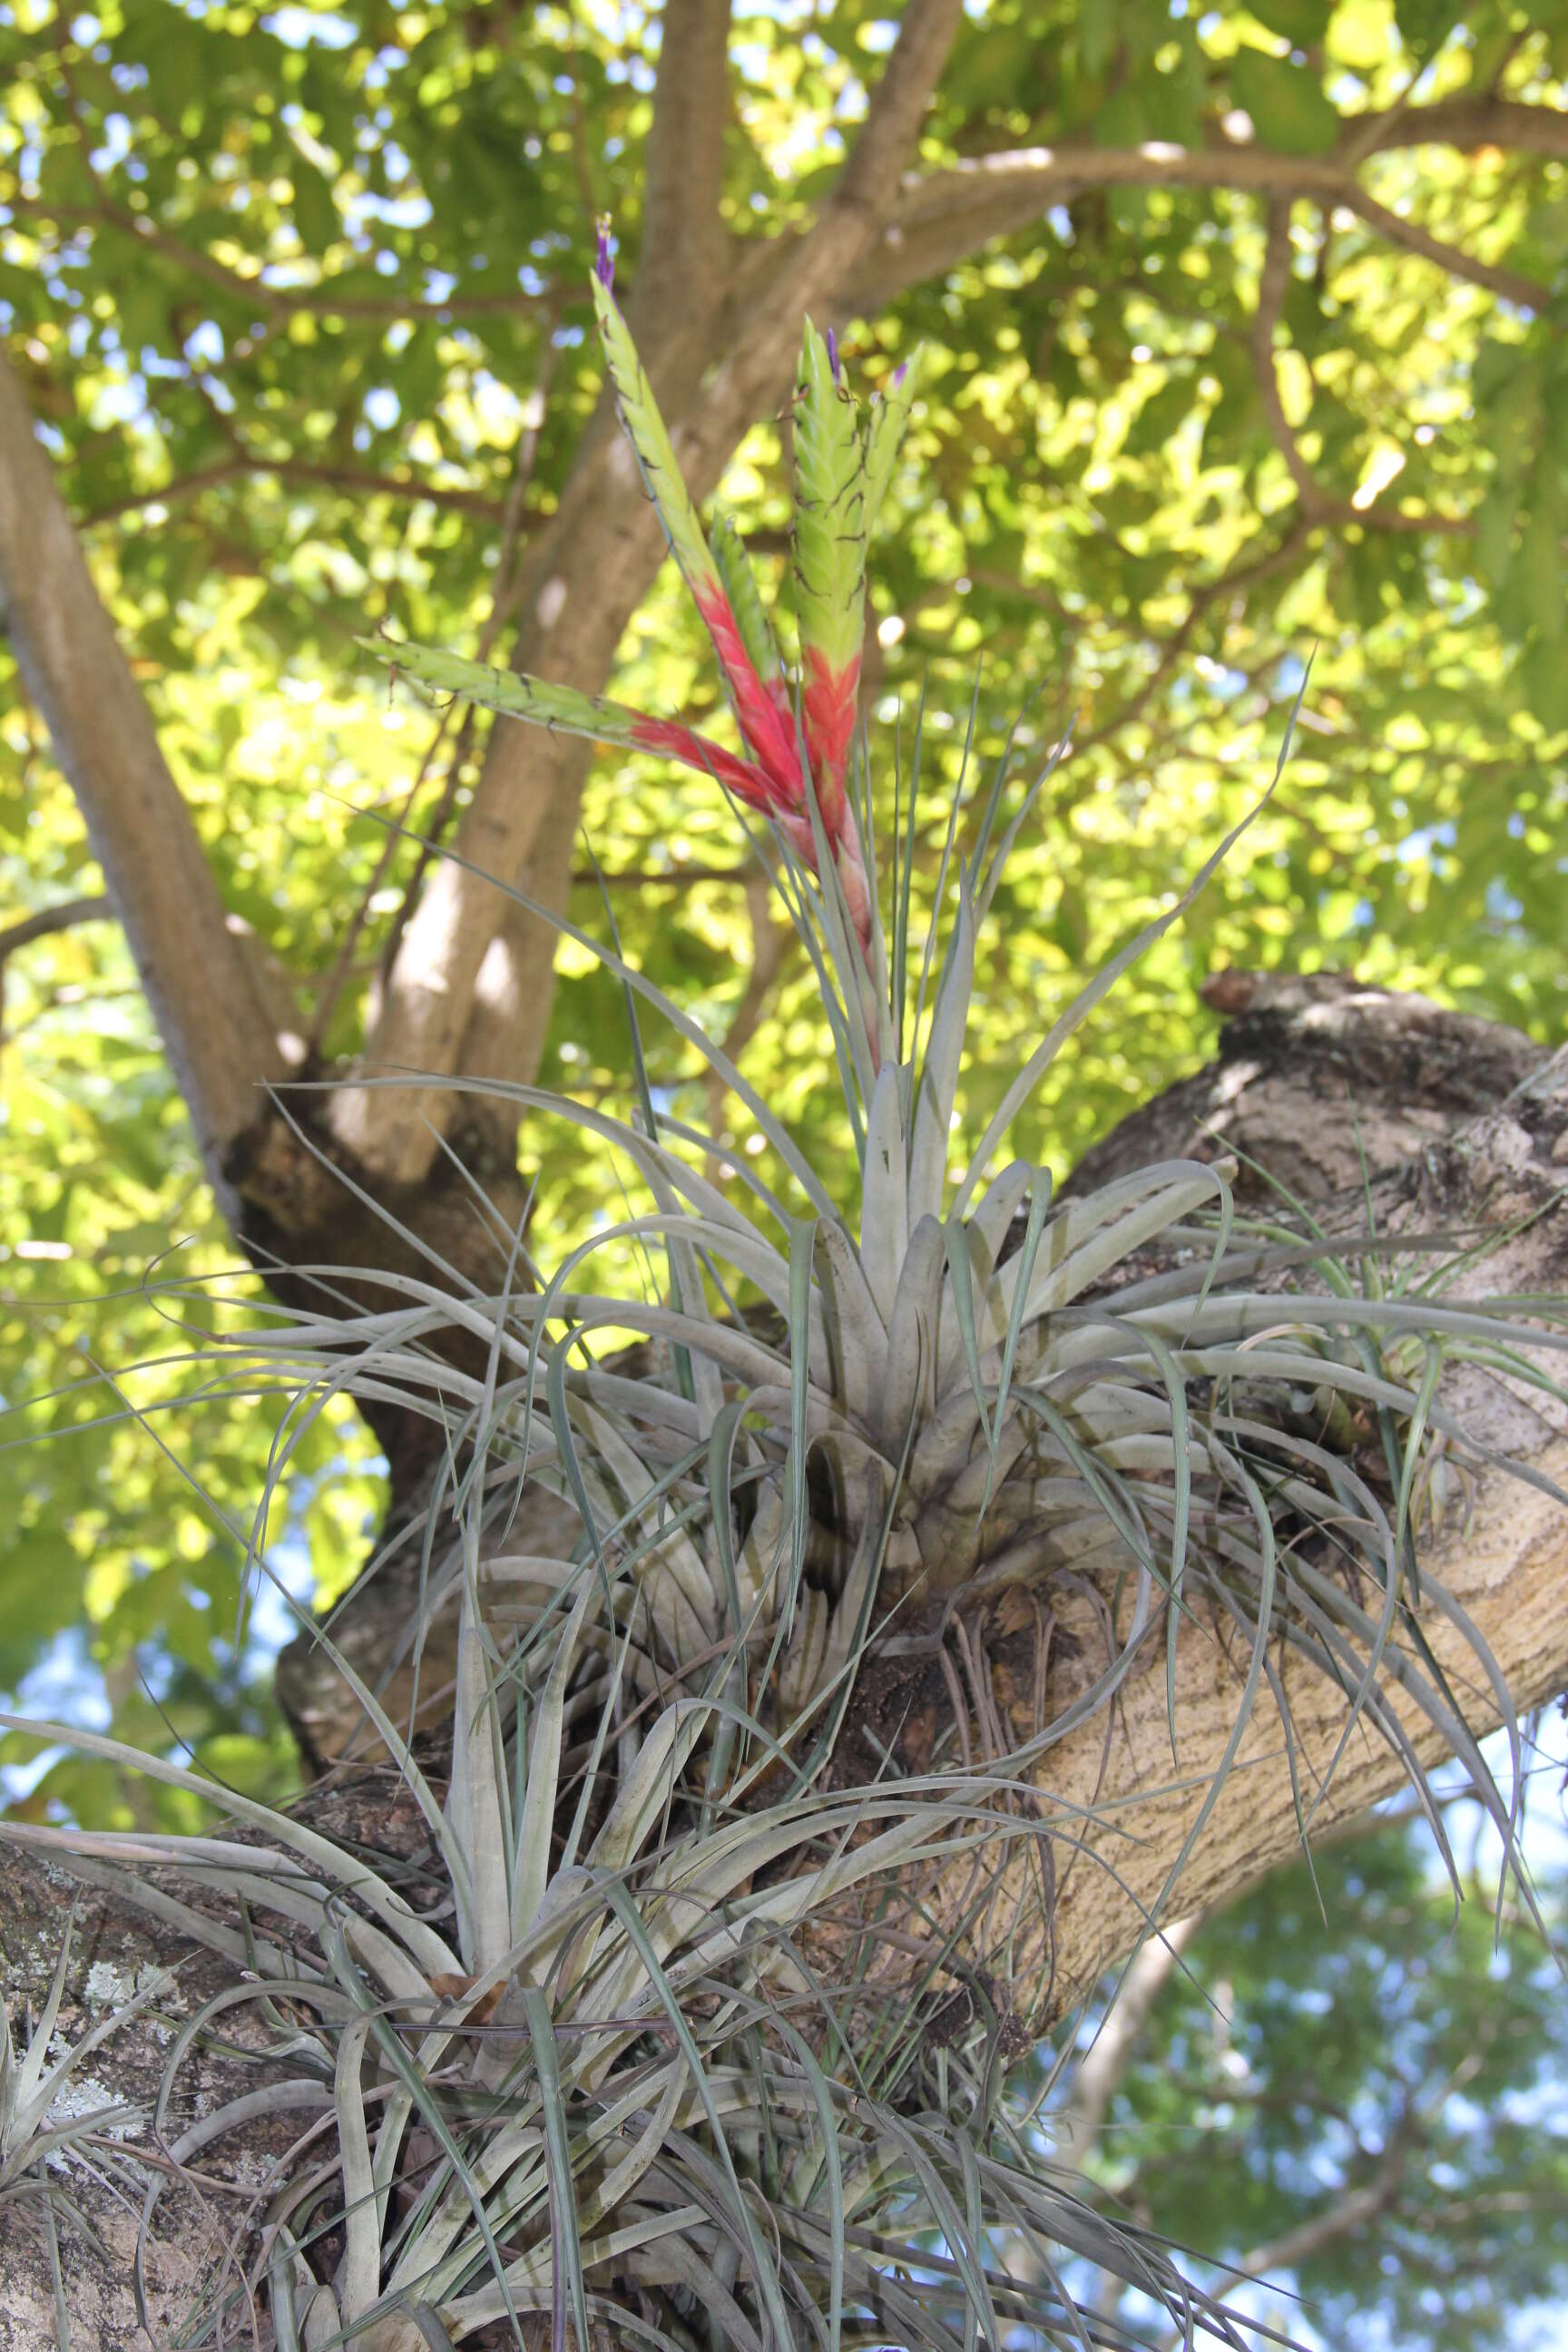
column 187, row 953
column 1448, row 1121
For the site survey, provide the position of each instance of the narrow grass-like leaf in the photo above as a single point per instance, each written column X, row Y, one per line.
column 566, row 2247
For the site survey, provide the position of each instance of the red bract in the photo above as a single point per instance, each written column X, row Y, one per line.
column 827, row 708
column 746, row 781
column 769, row 730
column 767, row 719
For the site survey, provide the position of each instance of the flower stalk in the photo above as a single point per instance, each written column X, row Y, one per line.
column 796, row 733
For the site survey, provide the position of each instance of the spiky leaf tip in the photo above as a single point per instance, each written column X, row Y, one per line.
column 757, row 712
column 745, row 602
column 540, row 702
column 885, row 431
column 649, row 437
column 829, row 564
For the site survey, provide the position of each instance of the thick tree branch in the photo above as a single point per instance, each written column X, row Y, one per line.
column 1327, row 1086
column 1467, row 123
column 1304, row 1062
column 683, row 237
column 197, row 978
column 944, row 216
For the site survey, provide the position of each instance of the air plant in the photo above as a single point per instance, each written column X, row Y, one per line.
column 797, row 737
column 45, row 2133
column 607, row 2060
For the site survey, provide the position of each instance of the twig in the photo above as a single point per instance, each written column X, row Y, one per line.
column 63, row 918
column 243, row 464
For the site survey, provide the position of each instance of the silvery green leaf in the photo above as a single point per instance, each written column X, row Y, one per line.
column 22, row 2105
column 358, row 2281
column 857, row 1335
column 667, row 1549
column 939, row 1073
column 474, row 1802
column 884, row 1202
column 532, row 1871
column 912, row 1338
column 852, row 1615
column 763, row 1553
column 343, row 1869
column 993, row 1213
column 801, row 1665
column 1027, row 1079
column 649, row 1786
column 1062, row 1273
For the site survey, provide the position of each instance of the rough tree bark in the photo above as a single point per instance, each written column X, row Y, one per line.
column 1449, row 1120
column 161, row 886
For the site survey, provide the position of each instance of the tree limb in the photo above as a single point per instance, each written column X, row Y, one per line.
column 1115, row 1800
column 683, row 237
column 946, row 215
column 197, row 975
column 1317, row 506
column 63, row 918
column 1509, row 285
column 357, row 480
column 869, row 183
column 1271, row 289
column 1484, row 120
column 280, row 301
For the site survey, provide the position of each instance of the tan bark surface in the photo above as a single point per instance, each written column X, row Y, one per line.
column 228, row 1051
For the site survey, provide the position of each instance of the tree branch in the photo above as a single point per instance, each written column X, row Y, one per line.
column 359, row 482
column 63, row 918
column 869, row 182
column 1108, row 1787
column 946, row 215
column 1317, row 506
column 196, row 974
column 1230, row 583
column 281, row 301
column 683, row 237
column 1467, row 123
column 1352, row 2210
column 1509, row 285
column 1271, row 290
column 1103, row 2065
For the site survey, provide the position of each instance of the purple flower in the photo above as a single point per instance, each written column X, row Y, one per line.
column 833, row 353
column 900, row 373
column 603, row 260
